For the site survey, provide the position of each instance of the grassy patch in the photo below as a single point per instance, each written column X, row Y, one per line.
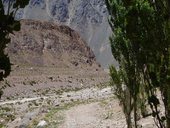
column 103, row 85
column 2, row 126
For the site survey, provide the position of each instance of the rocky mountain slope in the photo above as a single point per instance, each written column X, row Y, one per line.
column 88, row 17
column 47, row 44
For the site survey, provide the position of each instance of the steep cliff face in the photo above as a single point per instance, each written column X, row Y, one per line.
column 88, row 17
column 47, row 44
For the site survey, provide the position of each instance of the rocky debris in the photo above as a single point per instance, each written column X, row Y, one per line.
column 42, row 124
column 44, row 80
column 36, row 109
column 66, row 97
column 103, row 110
column 48, row 44
column 24, row 119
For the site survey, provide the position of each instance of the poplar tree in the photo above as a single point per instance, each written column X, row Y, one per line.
column 141, row 45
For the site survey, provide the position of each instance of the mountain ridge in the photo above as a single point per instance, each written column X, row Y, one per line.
column 48, row 44
column 89, row 18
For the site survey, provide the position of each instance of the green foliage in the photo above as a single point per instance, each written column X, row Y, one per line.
column 121, row 90
column 141, row 45
column 8, row 24
column 116, row 80
column 20, row 3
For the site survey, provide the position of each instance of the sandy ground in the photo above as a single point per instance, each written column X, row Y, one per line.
column 29, row 82
column 86, row 108
column 63, row 98
column 94, row 115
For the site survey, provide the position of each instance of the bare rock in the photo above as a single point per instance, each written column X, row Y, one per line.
column 88, row 17
column 42, row 124
column 48, row 44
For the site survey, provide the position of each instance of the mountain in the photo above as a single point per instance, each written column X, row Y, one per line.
column 41, row 43
column 88, row 17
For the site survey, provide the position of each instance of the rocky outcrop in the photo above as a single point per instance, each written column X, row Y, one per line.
column 47, row 44
column 88, row 17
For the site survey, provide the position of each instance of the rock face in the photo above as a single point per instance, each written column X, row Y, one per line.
column 47, row 44
column 42, row 124
column 88, row 17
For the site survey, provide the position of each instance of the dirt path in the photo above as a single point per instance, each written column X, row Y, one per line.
column 102, row 114
column 94, row 115
column 21, row 100
column 86, row 108
column 81, row 116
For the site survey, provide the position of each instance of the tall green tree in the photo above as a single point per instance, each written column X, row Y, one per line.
column 8, row 24
column 140, row 43
column 125, row 50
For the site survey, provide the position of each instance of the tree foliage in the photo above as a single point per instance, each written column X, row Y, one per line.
column 140, row 43
column 8, row 24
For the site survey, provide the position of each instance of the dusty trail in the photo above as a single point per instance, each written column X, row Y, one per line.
column 21, row 100
column 94, row 115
